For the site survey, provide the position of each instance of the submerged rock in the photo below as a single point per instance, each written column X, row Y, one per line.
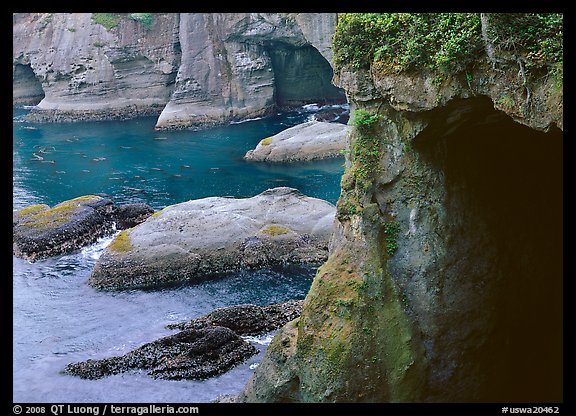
column 306, row 141
column 207, row 346
column 40, row 231
column 200, row 238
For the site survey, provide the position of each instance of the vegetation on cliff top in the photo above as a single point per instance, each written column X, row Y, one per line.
column 445, row 43
column 111, row 20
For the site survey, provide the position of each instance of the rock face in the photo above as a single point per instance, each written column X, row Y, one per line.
column 89, row 72
column 191, row 69
column 40, row 231
column 306, row 141
column 447, row 256
column 207, row 346
column 209, row 236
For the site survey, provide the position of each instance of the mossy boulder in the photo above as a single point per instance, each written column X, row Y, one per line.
column 40, row 231
column 212, row 236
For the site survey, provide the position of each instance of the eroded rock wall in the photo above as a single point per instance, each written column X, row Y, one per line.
column 89, row 72
column 191, row 69
column 447, row 252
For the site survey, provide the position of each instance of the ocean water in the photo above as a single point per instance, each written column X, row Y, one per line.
column 59, row 319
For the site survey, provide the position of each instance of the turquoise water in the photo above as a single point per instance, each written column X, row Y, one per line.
column 131, row 162
column 59, row 319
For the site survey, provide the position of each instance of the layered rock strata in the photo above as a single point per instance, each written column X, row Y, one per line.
column 192, row 240
column 190, row 69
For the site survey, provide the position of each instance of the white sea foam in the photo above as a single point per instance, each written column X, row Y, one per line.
column 94, row 251
column 245, row 120
column 260, row 339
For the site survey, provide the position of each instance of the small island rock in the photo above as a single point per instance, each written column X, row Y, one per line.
column 306, row 141
column 40, row 231
column 210, row 236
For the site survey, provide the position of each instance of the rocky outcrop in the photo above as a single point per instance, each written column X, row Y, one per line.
column 207, row 346
column 190, row 354
column 195, row 239
column 89, row 71
column 191, row 69
column 306, row 141
column 446, row 258
column 40, row 231
column 247, row 319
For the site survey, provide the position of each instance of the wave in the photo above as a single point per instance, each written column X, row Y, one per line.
column 246, row 120
column 94, row 251
column 265, row 339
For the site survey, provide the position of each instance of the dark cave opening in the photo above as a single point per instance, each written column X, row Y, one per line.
column 302, row 76
column 27, row 90
column 504, row 209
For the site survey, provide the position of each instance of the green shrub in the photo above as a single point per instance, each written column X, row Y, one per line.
column 538, row 36
column 145, row 19
column 445, row 43
column 108, row 20
column 111, row 20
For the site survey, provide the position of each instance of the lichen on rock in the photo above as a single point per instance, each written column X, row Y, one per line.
column 40, row 231
column 214, row 236
column 307, row 141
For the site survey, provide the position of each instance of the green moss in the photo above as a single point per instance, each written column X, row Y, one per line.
column 80, row 199
column 266, row 141
column 122, row 243
column 145, row 19
column 354, row 325
column 346, row 207
column 506, row 102
column 365, row 147
column 108, row 20
column 39, row 217
column 274, row 229
column 111, row 20
column 31, row 210
column 157, row 213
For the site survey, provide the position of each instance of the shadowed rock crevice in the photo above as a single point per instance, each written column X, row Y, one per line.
column 500, row 282
column 26, row 89
column 302, row 75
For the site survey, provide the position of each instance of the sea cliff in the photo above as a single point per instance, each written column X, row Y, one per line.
column 447, row 252
column 189, row 69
